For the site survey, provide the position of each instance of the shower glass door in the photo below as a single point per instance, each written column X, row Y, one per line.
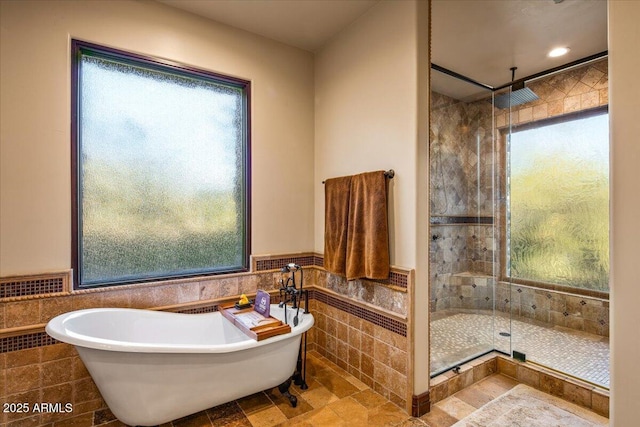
column 555, row 216
column 462, row 256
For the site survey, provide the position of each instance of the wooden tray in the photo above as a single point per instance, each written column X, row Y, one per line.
column 254, row 324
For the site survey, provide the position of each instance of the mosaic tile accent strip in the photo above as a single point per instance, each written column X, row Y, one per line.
column 318, row 261
column 469, row 220
column 398, row 279
column 32, row 285
column 388, row 323
column 277, row 263
column 24, row 342
column 200, row 310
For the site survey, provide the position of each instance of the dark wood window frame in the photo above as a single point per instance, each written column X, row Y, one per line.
column 176, row 68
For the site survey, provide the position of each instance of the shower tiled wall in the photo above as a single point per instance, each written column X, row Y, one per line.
column 461, row 266
column 461, row 194
column 461, row 154
column 578, row 89
column 35, row 368
column 579, row 312
column 464, row 257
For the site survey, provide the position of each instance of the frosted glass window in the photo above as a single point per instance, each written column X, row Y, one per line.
column 559, row 203
column 161, row 171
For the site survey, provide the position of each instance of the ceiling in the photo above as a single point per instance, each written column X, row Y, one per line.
column 483, row 39
column 480, row 39
column 306, row 24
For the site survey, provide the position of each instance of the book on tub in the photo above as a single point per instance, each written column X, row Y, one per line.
column 255, row 321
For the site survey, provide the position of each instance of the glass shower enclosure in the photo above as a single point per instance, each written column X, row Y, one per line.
column 463, row 263
column 518, row 259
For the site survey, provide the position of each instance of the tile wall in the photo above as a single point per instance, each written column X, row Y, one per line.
column 461, row 157
column 356, row 333
column 464, row 252
column 570, row 91
column 461, row 266
column 365, row 333
column 579, row 312
column 37, row 369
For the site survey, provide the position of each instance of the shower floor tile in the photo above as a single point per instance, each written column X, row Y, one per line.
column 456, row 337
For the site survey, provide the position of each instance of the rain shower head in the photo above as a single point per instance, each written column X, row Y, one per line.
column 518, row 95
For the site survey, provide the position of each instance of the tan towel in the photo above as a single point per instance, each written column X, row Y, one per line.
column 336, row 217
column 368, row 231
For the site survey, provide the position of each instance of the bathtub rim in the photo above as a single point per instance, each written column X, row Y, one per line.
column 56, row 328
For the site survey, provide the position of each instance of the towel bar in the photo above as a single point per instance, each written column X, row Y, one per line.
column 389, row 174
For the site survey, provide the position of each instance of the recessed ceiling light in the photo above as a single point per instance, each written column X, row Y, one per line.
column 559, row 51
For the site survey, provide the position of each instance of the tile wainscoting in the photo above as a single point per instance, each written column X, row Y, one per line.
column 371, row 346
column 361, row 326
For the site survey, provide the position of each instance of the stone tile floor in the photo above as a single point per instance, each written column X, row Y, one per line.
column 337, row 399
column 460, row 336
column 334, row 398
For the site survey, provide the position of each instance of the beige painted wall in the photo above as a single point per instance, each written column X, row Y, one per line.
column 35, row 206
column 371, row 114
column 624, row 108
column 366, row 114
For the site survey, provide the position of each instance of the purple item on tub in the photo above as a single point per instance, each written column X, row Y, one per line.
column 262, row 303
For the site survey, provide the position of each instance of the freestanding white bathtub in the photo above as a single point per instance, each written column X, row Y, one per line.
column 152, row 367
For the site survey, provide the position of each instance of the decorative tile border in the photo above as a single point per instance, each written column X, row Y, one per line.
column 277, row 263
column 23, row 342
column 399, row 279
column 466, row 220
column 19, row 287
column 318, row 260
column 34, row 285
column 200, row 310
